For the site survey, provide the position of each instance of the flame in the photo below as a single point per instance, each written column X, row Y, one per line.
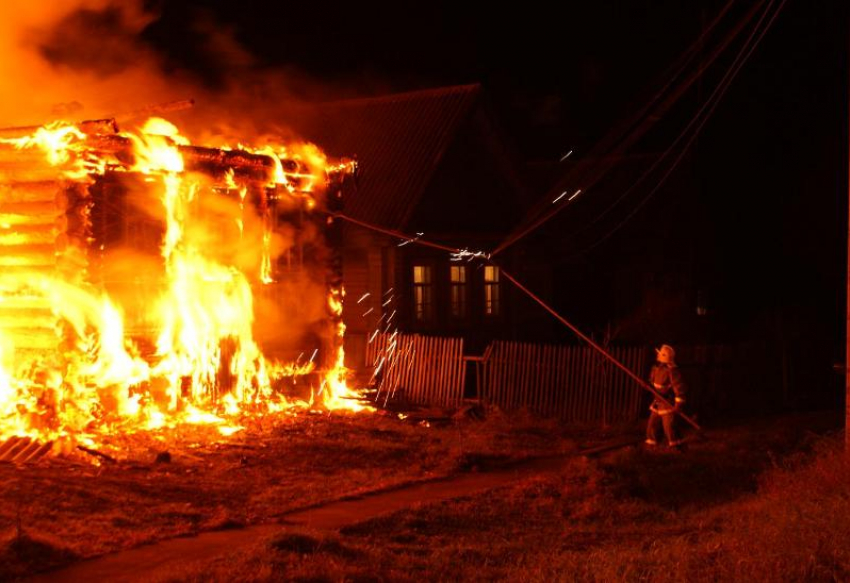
column 59, row 141
column 89, row 376
column 156, row 150
column 337, row 393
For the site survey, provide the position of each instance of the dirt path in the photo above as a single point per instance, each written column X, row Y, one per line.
column 153, row 561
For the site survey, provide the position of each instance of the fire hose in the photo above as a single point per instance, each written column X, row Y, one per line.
column 645, row 385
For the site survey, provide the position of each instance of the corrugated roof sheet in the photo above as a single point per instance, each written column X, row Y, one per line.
column 398, row 141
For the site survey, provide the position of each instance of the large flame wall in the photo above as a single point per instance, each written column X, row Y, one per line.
column 133, row 268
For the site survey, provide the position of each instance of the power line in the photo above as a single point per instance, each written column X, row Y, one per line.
column 640, row 126
column 708, row 107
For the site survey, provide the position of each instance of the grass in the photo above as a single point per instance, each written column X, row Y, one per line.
column 766, row 502
column 77, row 509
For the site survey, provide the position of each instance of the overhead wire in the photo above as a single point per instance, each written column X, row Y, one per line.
column 640, row 129
column 699, row 121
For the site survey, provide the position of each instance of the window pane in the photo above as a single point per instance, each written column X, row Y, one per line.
column 492, row 305
column 419, row 274
column 457, row 277
column 422, row 292
column 458, row 300
column 458, row 274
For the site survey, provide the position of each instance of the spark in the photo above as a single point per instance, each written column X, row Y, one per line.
column 565, row 156
column 468, row 255
column 377, row 370
column 413, row 240
column 559, row 197
column 387, row 303
column 314, row 354
column 363, row 297
column 577, row 192
column 388, row 292
column 367, row 312
column 374, row 334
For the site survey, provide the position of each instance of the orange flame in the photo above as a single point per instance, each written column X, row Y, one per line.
column 207, row 368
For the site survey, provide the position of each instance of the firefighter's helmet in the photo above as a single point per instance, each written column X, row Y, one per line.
column 666, row 354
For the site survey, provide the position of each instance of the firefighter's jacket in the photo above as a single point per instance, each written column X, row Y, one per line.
column 667, row 380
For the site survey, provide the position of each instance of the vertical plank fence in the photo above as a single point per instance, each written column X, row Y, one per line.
column 571, row 382
column 427, row 370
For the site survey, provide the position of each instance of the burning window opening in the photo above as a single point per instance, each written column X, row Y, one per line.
column 136, row 270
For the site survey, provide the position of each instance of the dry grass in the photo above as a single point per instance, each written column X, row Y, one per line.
column 212, row 482
column 753, row 504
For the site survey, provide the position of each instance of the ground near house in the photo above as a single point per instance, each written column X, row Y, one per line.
column 766, row 500
column 190, row 479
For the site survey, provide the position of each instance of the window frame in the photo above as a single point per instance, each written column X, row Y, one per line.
column 422, row 293
column 492, row 291
column 458, row 292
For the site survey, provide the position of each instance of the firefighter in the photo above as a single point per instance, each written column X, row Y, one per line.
column 667, row 381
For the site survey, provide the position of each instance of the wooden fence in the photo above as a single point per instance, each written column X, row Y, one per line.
column 571, row 382
column 422, row 369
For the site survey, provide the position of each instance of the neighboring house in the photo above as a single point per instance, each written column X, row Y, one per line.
column 431, row 162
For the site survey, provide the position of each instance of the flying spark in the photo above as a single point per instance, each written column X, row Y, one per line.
column 468, row 255
column 413, row 240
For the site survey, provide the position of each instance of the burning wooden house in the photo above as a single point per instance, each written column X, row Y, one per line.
column 145, row 280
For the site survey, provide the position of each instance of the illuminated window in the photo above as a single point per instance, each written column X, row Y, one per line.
column 457, row 276
column 492, row 302
column 422, row 292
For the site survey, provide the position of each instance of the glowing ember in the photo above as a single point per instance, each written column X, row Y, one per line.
column 68, row 366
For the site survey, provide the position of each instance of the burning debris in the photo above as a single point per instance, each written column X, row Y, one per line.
column 131, row 271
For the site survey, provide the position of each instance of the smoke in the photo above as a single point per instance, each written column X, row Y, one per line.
column 76, row 59
column 90, row 59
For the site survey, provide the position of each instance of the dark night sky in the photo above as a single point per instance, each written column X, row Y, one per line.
column 770, row 168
